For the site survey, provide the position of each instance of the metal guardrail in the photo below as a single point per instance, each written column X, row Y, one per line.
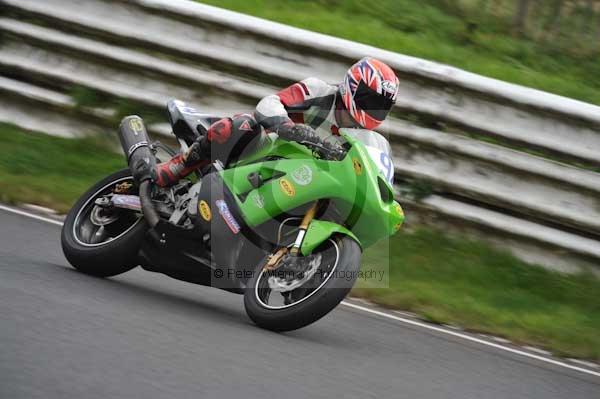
column 224, row 62
column 474, row 102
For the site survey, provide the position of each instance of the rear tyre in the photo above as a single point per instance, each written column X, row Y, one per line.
column 311, row 301
column 106, row 250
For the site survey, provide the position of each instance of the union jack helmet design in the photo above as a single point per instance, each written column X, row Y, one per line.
column 369, row 91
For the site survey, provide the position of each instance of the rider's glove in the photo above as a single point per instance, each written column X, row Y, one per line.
column 298, row 132
column 306, row 135
column 197, row 152
column 331, row 150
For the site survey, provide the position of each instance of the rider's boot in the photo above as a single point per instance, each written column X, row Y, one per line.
column 170, row 172
column 224, row 139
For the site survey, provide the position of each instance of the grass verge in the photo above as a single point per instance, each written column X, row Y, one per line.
column 446, row 280
column 454, row 280
column 427, row 30
column 51, row 171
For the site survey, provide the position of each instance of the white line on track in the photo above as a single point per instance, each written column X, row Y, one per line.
column 31, row 215
column 470, row 338
column 388, row 316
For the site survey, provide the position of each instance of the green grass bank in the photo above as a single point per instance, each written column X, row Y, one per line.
column 51, row 171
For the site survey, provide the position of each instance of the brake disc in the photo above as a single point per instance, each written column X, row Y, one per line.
column 279, row 283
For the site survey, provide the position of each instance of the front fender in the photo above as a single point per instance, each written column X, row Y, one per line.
column 319, row 231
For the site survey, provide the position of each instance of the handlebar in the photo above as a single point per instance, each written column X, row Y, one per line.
column 328, row 151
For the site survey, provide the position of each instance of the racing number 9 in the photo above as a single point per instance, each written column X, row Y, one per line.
column 388, row 171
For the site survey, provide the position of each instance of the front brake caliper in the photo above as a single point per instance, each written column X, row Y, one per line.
column 275, row 259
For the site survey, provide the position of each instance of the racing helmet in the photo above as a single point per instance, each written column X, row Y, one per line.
column 369, row 91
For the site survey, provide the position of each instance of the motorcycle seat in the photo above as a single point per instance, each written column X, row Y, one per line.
column 188, row 123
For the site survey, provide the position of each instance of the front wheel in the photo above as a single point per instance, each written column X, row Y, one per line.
column 280, row 304
column 102, row 241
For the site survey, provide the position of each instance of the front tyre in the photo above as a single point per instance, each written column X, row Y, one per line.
column 102, row 242
column 271, row 307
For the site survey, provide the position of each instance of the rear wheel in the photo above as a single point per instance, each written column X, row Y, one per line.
column 283, row 304
column 103, row 241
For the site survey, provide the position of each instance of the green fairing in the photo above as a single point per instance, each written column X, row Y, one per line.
column 293, row 177
column 319, row 231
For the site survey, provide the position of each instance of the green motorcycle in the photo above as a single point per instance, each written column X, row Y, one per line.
column 284, row 225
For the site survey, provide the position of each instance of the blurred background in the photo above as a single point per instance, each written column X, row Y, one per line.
column 496, row 135
column 552, row 45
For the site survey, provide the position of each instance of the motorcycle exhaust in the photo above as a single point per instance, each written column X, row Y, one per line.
column 141, row 161
column 136, row 145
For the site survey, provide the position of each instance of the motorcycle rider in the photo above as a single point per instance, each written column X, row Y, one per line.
column 310, row 111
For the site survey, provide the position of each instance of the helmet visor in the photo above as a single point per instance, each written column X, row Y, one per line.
column 374, row 104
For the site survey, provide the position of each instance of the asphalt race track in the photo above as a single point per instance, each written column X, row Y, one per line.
column 143, row 335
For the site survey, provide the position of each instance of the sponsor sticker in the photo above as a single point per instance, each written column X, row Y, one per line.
column 189, row 111
column 399, row 209
column 136, row 125
column 389, row 86
column 287, row 187
column 400, row 213
column 246, row 126
column 204, row 210
column 227, row 216
column 259, row 201
column 303, row 175
column 358, row 168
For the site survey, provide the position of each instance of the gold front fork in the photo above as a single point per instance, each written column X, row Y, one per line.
column 276, row 258
column 308, row 217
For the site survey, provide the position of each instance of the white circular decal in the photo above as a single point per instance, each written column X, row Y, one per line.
column 303, row 175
